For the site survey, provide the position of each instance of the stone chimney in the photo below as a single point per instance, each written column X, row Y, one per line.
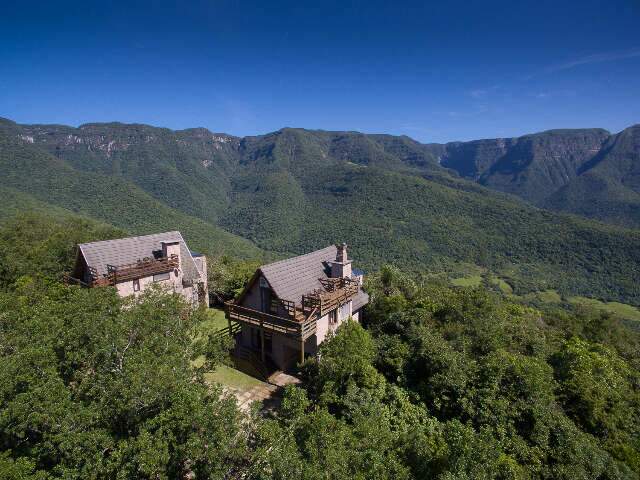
column 171, row 248
column 341, row 267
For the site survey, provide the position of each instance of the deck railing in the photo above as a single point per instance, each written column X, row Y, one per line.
column 142, row 268
column 337, row 291
column 132, row 271
column 293, row 328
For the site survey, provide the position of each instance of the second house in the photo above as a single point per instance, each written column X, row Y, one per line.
column 288, row 307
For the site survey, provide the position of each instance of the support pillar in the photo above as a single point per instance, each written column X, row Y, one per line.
column 302, row 350
column 262, row 340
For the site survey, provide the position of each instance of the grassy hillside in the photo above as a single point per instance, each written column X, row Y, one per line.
column 15, row 202
column 389, row 217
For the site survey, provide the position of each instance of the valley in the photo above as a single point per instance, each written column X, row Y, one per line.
column 295, row 190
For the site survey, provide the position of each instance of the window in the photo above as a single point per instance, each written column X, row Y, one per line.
column 160, row 277
column 333, row 317
column 136, row 285
column 273, row 308
column 266, row 299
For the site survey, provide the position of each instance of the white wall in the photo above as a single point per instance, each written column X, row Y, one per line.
column 323, row 327
column 173, row 284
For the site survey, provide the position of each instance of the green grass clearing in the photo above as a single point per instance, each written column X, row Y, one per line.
column 472, row 281
column 232, row 378
column 621, row 310
column 502, row 285
column 546, row 296
column 223, row 374
column 215, row 321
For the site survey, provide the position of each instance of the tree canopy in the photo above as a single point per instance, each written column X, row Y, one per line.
column 438, row 382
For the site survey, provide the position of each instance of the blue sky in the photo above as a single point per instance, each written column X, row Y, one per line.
column 437, row 72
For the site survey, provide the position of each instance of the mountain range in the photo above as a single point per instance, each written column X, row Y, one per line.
column 589, row 172
column 394, row 200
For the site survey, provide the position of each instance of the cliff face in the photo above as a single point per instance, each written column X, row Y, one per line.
column 532, row 167
column 588, row 172
column 608, row 186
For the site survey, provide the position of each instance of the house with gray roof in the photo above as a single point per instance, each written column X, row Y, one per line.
column 289, row 307
column 132, row 264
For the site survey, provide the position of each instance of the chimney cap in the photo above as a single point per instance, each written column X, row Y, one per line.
column 341, row 253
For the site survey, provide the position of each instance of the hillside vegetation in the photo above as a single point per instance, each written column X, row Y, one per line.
column 32, row 178
column 295, row 190
column 444, row 383
column 589, row 172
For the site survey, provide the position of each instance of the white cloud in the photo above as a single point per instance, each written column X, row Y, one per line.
column 589, row 59
column 480, row 93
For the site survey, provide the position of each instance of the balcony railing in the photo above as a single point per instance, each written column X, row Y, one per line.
column 132, row 271
column 142, row 268
column 337, row 291
column 286, row 326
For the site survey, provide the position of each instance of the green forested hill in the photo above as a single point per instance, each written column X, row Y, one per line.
column 588, row 172
column 294, row 190
column 609, row 187
column 32, row 178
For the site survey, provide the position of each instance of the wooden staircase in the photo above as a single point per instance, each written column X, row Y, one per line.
column 249, row 362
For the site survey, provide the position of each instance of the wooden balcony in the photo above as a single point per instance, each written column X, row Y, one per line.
column 337, row 291
column 132, row 271
column 142, row 268
column 300, row 321
column 291, row 327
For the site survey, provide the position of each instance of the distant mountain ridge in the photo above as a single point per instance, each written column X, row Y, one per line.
column 589, row 172
column 296, row 190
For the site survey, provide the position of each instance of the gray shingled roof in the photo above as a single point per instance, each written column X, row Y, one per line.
column 294, row 277
column 128, row 250
column 297, row 276
column 360, row 300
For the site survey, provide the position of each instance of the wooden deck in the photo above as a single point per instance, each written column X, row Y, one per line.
column 337, row 291
column 123, row 273
column 301, row 320
column 142, row 268
column 292, row 328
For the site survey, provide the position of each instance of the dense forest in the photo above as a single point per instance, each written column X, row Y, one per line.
column 297, row 190
column 585, row 171
column 439, row 382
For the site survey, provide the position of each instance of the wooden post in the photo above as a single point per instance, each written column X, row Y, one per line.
column 262, row 340
column 302, row 350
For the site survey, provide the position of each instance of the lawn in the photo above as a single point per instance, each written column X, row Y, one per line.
column 223, row 374
column 215, row 321
column 502, row 285
column 546, row 296
column 232, row 378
